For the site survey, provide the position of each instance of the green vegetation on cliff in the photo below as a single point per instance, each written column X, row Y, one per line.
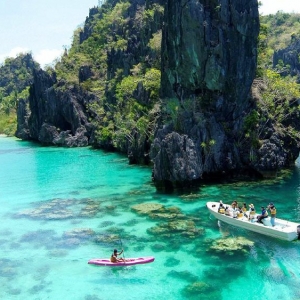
column 279, row 94
column 119, row 61
column 276, row 32
column 117, row 57
column 15, row 79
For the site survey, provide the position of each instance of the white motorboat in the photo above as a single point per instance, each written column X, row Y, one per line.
column 284, row 230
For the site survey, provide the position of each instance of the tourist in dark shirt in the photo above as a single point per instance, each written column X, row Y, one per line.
column 264, row 214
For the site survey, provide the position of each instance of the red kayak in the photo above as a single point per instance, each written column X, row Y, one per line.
column 127, row 262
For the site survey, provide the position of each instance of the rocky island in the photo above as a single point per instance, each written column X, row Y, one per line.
column 169, row 83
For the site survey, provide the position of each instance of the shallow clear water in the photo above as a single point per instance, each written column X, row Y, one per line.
column 62, row 207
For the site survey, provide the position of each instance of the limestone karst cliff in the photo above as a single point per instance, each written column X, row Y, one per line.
column 287, row 59
column 169, row 83
column 114, row 60
column 54, row 116
column 208, row 64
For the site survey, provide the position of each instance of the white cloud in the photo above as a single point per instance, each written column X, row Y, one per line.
column 13, row 53
column 43, row 57
column 47, row 56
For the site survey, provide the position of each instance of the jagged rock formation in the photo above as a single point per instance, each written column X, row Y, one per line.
column 209, row 100
column 290, row 59
column 208, row 64
column 16, row 74
column 67, row 123
column 23, row 114
column 279, row 142
column 55, row 116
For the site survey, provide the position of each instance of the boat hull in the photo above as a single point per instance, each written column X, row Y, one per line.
column 128, row 261
column 283, row 229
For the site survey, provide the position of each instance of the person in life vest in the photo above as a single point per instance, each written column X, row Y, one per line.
column 240, row 212
column 221, row 208
column 244, row 208
column 272, row 209
column 264, row 214
column 252, row 212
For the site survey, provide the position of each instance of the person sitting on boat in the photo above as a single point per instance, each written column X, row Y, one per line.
column 234, row 209
column 227, row 211
column 252, row 212
column 221, row 208
column 240, row 212
column 234, row 204
column 264, row 214
column 272, row 209
column 114, row 257
column 244, row 207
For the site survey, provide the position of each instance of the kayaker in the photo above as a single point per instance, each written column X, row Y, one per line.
column 114, row 257
column 272, row 209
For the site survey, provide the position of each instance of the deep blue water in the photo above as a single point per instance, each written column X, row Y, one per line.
column 61, row 207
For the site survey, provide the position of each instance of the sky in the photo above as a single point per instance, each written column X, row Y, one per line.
column 45, row 27
column 42, row 27
column 273, row 6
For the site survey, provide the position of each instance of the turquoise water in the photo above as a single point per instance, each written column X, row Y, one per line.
column 62, row 207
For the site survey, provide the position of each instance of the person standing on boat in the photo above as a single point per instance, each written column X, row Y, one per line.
column 114, row 257
column 264, row 214
column 251, row 212
column 272, row 209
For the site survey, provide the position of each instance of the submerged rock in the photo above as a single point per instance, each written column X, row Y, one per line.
column 198, row 287
column 230, row 246
column 59, row 209
column 146, row 208
column 79, row 233
column 158, row 247
column 158, row 211
column 171, row 262
column 91, row 209
column 58, row 253
column 183, row 275
column 8, row 268
column 69, row 242
column 107, row 238
column 184, row 228
column 190, row 197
